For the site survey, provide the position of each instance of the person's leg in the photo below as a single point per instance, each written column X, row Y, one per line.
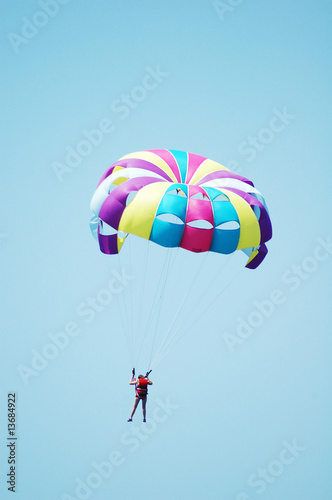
column 144, row 408
column 134, row 408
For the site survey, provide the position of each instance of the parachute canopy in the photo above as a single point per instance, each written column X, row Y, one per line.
column 179, row 199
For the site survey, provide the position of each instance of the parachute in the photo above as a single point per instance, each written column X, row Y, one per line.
column 180, row 200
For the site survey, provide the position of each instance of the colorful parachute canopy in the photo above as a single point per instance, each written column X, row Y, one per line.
column 179, row 199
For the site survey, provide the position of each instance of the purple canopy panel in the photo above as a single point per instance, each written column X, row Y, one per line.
column 264, row 220
column 112, row 209
column 134, row 163
column 224, row 174
column 262, row 251
column 108, row 243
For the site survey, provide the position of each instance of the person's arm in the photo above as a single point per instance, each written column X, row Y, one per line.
column 149, row 382
column 132, row 381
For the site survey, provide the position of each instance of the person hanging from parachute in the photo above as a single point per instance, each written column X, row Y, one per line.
column 141, row 392
column 176, row 200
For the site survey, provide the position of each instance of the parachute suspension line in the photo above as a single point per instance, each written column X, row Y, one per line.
column 146, row 254
column 165, row 341
column 211, row 282
column 192, row 323
column 161, row 298
column 173, row 253
column 157, row 300
column 172, row 334
column 120, row 309
column 130, row 310
column 153, row 306
column 124, row 309
column 142, row 294
column 194, row 308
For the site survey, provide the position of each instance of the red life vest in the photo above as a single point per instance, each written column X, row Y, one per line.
column 142, row 387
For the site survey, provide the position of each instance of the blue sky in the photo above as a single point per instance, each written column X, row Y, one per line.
column 240, row 408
